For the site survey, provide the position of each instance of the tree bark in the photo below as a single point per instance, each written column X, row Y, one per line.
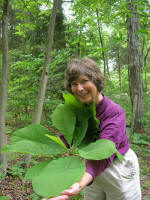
column 40, row 101
column 135, row 65
column 4, row 85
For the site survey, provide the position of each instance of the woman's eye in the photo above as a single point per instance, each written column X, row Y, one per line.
column 85, row 81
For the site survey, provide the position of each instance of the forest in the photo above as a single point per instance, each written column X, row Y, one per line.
column 37, row 41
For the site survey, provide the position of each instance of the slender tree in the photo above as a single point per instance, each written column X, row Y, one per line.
column 135, row 64
column 44, row 78
column 146, row 47
column 119, row 69
column 145, row 65
column 101, row 40
column 4, row 84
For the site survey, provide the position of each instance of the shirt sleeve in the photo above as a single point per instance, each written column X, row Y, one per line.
column 110, row 130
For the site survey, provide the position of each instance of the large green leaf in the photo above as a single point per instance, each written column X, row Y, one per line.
column 99, row 150
column 32, row 139
column 86, row 118
column 81, row 125
column 82, row 113
column 51, row 178
column 92, row 113
column 72, row 100
column 64, row 120
column 80, row 132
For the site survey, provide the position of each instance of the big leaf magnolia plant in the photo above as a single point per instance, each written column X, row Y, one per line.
column 75, row 120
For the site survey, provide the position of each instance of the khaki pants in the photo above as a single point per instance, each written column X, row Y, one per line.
column 120, row 181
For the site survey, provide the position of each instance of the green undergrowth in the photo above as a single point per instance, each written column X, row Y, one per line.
column 143, row 152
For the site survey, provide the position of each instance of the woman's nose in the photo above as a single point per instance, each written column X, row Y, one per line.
column 80, row 87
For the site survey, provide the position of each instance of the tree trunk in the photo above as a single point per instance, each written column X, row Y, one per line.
column 44, row 78
column 0, row 33
column 135, row 65
column 119, row 71
column 145, row 66
column 101, row 41
column 107, row 67
column 4, row 84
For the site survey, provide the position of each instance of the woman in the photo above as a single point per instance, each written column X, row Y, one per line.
column 105, row 179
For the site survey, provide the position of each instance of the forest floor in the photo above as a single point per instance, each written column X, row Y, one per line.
column 14, row 188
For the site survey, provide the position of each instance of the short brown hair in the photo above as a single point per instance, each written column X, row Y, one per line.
column 85, row 66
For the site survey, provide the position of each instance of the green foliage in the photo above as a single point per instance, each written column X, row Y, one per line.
column 33, row 139
column 23, row 86
column 34, row 196
column 1, row 2
column 17, row 170
column 2, row 175
column 24, row 82
column 30, row 23
column 143, row 153
column 4, row 198
column 140, row 139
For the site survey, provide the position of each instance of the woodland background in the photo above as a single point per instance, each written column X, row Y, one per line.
column 39, row 38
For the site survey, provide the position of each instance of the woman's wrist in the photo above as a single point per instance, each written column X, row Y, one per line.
column 86, row 180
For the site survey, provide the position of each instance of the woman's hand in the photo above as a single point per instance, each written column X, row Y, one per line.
column 73, row 190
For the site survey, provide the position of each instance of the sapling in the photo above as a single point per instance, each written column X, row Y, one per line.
column 80, row 128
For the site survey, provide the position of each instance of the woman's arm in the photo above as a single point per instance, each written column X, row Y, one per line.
column 77, row 187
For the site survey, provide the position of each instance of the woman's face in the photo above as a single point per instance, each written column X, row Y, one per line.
column 85, row 90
